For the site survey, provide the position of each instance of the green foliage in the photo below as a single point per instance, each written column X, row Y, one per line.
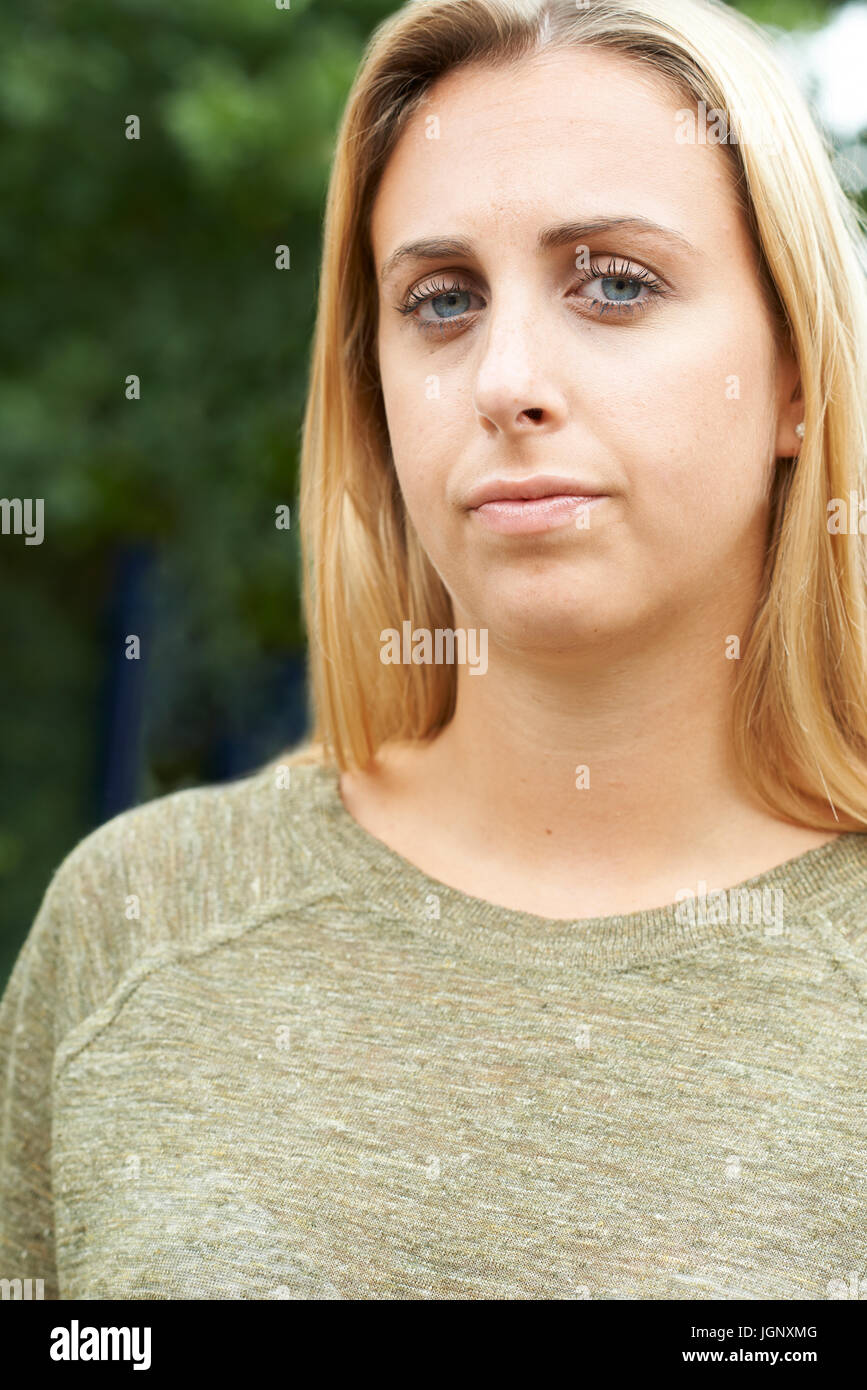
column 153, row 257
column 792, row 14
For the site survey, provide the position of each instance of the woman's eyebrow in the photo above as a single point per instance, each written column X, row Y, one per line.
column 564, row 233
column 561, row 234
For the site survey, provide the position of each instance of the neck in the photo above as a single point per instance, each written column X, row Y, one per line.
column 616, row 755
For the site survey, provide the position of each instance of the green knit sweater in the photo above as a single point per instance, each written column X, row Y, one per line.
column 248, row 1051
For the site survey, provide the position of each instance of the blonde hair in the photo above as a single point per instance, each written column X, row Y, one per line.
column 799, row 721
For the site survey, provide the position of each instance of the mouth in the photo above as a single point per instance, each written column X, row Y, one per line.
column 534, row 504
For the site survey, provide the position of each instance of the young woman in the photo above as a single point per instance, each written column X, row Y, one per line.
column 540, row 971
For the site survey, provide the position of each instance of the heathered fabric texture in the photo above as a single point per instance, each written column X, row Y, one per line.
column 308, row 1070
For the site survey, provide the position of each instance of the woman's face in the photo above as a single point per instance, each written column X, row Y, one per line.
column 636, row 362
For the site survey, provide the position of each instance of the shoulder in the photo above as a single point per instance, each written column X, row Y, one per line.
column 196, row 845
column 836, row 879
column 163, row 876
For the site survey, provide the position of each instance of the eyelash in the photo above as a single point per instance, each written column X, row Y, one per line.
column 625, row 310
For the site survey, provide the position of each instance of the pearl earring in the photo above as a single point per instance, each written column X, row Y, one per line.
column 799, row 430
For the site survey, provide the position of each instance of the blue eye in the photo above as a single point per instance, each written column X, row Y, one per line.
column 621, row 285
column 452, row 301
column 448, row 300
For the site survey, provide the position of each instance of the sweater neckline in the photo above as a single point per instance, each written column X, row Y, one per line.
column 378, row 878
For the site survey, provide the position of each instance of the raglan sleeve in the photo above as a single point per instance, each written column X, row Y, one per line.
column 28, row 1034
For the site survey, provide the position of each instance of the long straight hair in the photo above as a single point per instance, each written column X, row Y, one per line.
column 799, row 717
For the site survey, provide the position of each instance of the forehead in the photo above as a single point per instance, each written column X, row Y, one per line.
column 582, row 131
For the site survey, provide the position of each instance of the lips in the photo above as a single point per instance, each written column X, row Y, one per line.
column 529, row 489
column 529, row 516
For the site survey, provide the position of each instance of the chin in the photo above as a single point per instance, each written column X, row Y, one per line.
column 554, row 631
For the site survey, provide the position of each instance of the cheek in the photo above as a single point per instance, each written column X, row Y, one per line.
column 425, row 429
column 692, row 421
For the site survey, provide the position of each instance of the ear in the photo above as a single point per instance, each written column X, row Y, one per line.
column 790, row 406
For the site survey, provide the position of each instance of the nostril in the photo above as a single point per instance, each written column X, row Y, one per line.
column 535, row 412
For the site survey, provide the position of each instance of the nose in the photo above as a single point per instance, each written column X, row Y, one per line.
column 516, row 389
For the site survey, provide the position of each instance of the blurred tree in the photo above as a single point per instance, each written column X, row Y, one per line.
column 153, row 257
